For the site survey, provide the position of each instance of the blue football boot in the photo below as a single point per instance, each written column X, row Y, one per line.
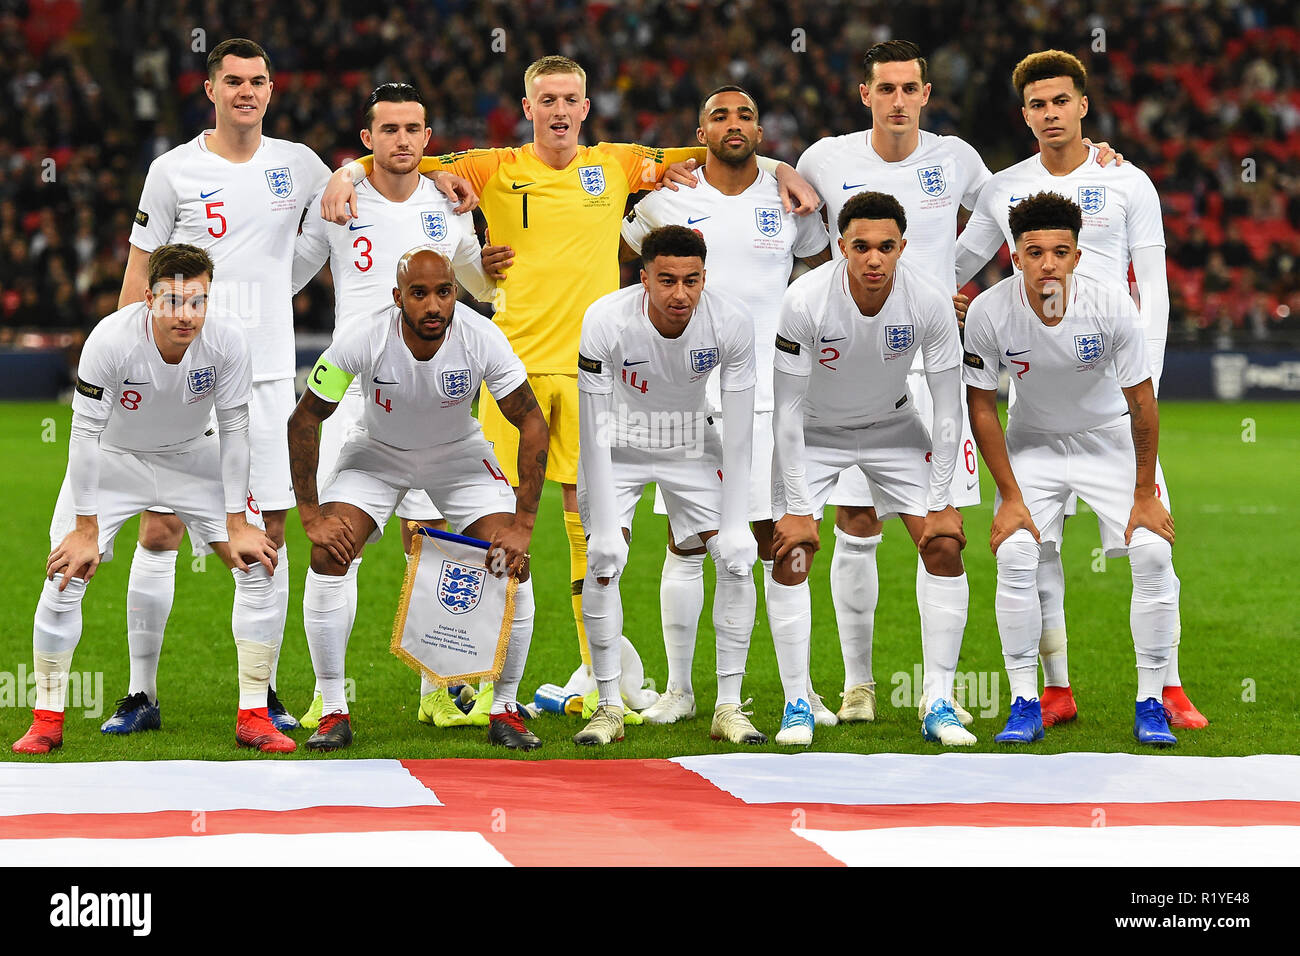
column 1151, row 723
column 134, row 713
column 1025, row 725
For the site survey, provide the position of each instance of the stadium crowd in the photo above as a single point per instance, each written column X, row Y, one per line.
column 1203, row 96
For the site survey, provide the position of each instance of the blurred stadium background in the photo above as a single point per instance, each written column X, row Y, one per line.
column 1202, row 95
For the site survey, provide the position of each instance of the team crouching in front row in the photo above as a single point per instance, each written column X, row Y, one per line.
column 1085, row 421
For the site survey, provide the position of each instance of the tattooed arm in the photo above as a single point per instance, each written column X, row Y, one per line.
column 1148, row 510
column 331, row 532
column 521, row 410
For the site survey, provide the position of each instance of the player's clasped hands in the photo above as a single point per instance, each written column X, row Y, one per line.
column 1011, row 517
column 333, row 533
column 1149, row 512
column 77, row 556
column 942, row 524
column 793, row 531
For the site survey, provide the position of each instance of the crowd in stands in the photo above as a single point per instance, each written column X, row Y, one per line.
column 1203, row 95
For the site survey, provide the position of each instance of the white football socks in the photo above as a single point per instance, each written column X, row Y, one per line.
column 734, row 603
column 1153, row 611
column 328, row 627
column 602, row 615
column 253, row 620
column 944, row 603
column 56, row 630
column 789, row 613
column 1050, row 581
column 150, row 590
column 281, row 583
column 681, row 601
column 1019, row 616
column 1171, row 672
column 505, row 692
column 855, row 590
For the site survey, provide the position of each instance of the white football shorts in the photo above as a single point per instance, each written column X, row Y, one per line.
column 462, row 478
column 187, row 483
column 688, row 477
column 852, row 488
column 415, row 504
column 1097, row 465
column 891, row 455
column 760, row 470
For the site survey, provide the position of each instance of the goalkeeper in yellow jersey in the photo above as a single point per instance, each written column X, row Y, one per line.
column 557, row 206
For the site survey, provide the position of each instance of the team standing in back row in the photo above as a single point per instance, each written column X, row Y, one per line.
column 743, row 399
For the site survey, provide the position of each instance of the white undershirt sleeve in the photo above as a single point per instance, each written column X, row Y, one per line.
column 232, row 426
column 83, row 463
column 788, row 393
column 945, row 434
column 1153, row 291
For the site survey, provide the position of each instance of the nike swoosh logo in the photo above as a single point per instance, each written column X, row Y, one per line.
column 127, row 381
column 203, row 195
column 514, row 185
column 1010, row 353
column 378, row 381
column 627, row 364
column 691, row 222
column 856, row 186
column 353, row 227
column 1012, row 200
column 972, row 484
column 840, row 339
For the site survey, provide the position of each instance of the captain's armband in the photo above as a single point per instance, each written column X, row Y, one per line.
column 329, row 381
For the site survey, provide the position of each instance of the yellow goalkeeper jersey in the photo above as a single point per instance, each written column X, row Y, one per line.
column 563, row 225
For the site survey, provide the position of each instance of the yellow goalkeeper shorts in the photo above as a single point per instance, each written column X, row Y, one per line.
column 557, row 395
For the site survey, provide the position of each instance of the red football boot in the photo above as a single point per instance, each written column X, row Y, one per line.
column 1182, row 712
column 1058, row 706
column 45, row 734
column 253, row 728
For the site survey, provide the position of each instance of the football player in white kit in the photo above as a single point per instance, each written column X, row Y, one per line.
column 150, row 377
column 932, row 176
column 398, row 210
column 848, row 407
column 753, row 244
column 1084, row 421
column 643, row 362
column 1121, row 224
column 423, row 363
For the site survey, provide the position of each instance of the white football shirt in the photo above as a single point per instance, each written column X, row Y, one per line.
column 363, row 254
column 658, row 384
column 858, row 364
column 752, row 244
column 944, row 172
column 1067, row 376
column 150, row 406
column 1121, row 212
column 246, row 216
column 423, row 404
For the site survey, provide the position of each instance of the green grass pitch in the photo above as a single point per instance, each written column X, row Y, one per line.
column 1231, row 467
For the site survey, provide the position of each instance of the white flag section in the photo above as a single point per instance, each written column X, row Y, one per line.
column 453, row 621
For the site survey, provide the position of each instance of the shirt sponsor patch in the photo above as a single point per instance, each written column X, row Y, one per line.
column 142, row 217
column 90, row 391
column 973, row 360
column 588, row 365
column 785, row 345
